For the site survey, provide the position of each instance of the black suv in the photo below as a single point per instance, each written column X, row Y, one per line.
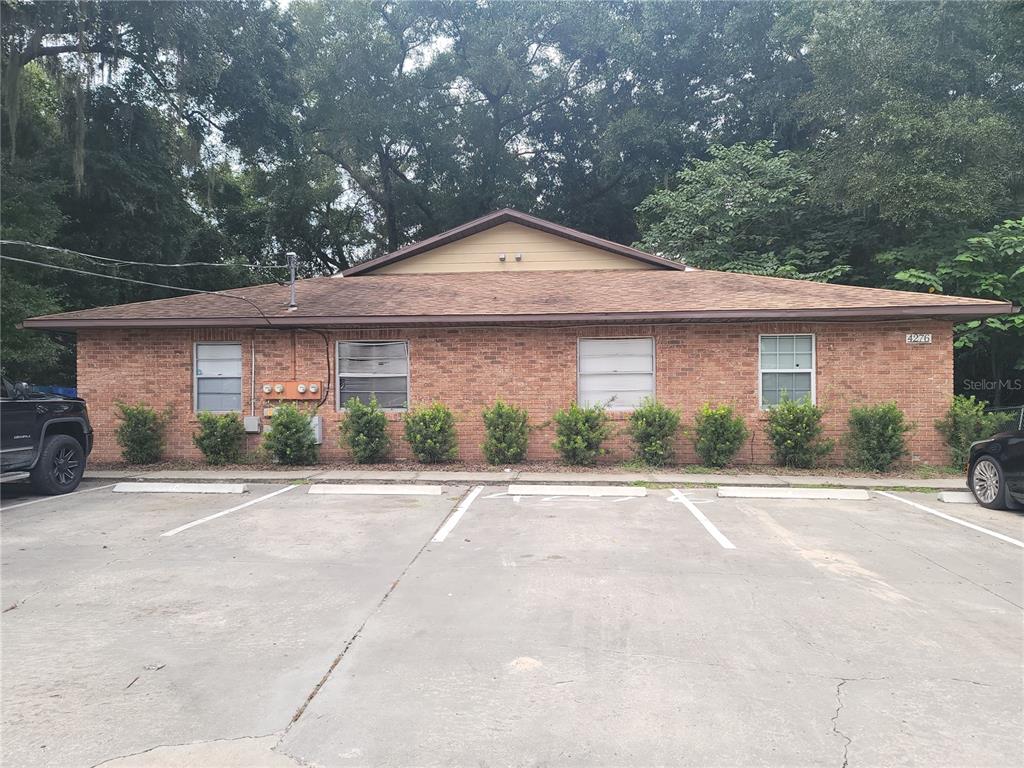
column 46, row 435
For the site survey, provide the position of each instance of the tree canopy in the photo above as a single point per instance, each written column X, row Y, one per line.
column 863, row 142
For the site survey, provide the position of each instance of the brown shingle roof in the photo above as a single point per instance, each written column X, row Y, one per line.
column 518, row 217
column 521, row 297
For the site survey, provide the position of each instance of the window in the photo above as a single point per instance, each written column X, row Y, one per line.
column 368, row 369
column 218, row 377
column 787, row 368
column 616, row 373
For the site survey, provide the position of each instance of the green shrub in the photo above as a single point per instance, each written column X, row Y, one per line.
column 579, row 433
column 365, row 431
column 966, row 422
column 220, row 437
column 290, row 439
column 876, row 438
column 507, row 432
column 718, row 434
column 142, row 433
column 431, row 434
column 653, row 427
column 795, row 432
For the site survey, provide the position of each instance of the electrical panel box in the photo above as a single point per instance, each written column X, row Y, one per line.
column 251, row 424
column 292, row 390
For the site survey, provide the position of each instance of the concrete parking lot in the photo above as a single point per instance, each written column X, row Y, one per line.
column 677, row 628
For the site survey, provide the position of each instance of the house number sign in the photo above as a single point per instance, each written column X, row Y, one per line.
column 919, row 338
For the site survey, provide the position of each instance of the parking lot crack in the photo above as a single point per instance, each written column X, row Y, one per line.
column 351, row 640
column 835, row 722
column 146, row 751
column 940, row 565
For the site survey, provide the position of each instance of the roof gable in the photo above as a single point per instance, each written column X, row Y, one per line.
column 526, row 243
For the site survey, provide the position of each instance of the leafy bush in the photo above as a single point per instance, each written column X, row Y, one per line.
column 718, row 434
column 141, row 433
column 966, row 422
column 365, row 430
column 507, row 432
column 875, row 440
column 290, row 439
column 653, row 427
column 431, row 434
column 220, row 437
column 795, row 432
column 579, row 433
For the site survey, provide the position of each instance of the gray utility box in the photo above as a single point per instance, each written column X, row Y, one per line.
column 251, row 424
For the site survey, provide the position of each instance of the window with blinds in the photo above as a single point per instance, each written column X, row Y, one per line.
column 374, row 369
column 615, row 373
column 218, row 377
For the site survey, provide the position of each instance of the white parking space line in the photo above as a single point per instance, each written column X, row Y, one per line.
column 454, row 517
column 702, row 519
column 382, row 489
column 952, row 519
column 576, row 490
column 206, row 519
column 56, row 498
column 144, row 487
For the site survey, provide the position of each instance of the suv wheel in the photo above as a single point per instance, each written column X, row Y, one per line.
column 60, row 466
column 987, row 483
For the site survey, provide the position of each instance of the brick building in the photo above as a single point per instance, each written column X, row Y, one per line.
column 515, row 307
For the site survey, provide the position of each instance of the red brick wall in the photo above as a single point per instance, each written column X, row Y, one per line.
column 535, row 367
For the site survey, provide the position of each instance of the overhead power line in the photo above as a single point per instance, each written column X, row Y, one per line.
column 140, row 282
column 127, row 263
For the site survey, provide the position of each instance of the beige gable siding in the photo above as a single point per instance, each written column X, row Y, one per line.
column 540, row 250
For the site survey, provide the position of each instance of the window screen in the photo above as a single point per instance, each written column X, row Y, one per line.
column 368, row 369
column 218, row 377
column 615, row 373
column 787, row 368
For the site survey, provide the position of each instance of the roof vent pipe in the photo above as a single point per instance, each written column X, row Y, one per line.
column 292, row 259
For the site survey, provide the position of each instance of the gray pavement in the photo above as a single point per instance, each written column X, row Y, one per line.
column 542, row 630
column 313, row 475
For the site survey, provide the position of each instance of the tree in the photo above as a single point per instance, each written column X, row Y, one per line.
column 747, row 209
column 989, row 266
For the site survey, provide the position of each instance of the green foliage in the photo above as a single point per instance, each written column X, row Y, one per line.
column 141, row 434
column 580, row 432
column 221, row 437
column 365, row 430
column 290, row 439
column 966, row 422
column 718, row 434
column 795, row 432
column 430, row 432
column 810, row 140
column 507, row 432
column 653, row 427
column 747, row 209
column 876, row 439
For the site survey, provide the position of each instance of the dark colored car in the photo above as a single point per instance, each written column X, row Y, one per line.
column 995, row 469
column 46, row 435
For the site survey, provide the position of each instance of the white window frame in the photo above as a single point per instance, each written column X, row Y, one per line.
column 654, row 367
column 195, row 373
column 338, row 404
column 761, row 372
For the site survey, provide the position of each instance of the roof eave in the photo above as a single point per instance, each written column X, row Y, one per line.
column 949, row 311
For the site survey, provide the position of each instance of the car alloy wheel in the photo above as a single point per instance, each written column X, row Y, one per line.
column 65, row 466
column 986, row 481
